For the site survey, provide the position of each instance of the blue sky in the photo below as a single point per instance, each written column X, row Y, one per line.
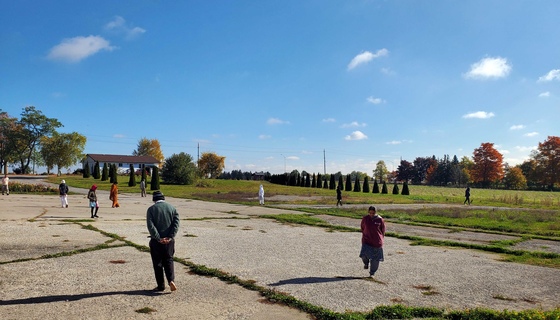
column 283, row 85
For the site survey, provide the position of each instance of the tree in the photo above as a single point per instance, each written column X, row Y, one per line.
column 8, row 130
column 314, row 181
column 380, row 172
column 96, row 174
column 87, row 172
column 111, row 174
column 357, row 187
column 384, row 189
column 514, row 178
column 405, row 171
column 62, row 149
column 366, row 185
column 421, row 167
column 488, row 167
column 211, row 165
column 348, row 186
column 154, row 184
column 405, row 191
column 114, row 174
column 375, row 187
column 33, row 125
column 104, row 172
column 131, row 176
column 319, row 181
column 340, row 182
column 149, row 147
column 178, row 169
column 395, row 189
column 332, row 184
column 547, row 157
column 529, row 169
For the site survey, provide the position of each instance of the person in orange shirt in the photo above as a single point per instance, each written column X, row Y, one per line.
column 114, row 195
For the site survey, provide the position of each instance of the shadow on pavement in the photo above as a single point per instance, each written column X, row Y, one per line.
column 74, row 297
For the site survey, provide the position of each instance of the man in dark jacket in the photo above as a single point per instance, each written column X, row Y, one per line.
column 163, row 223
column 63, row 192
column 373, row 235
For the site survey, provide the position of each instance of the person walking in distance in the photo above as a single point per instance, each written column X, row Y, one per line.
column 5, row 182
column 143, row 188
column 63, row 192
column 114, row 195
column 338, row 196
column 373, row 235
column 162, row 221
column 93, row 204
column 261, row 194
column 467, row 196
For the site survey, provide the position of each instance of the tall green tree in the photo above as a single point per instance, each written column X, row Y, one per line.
column 332, row 183
column 405, row 190
column 178, row 169
column 62, row 149
column 380, row 172
column 547, row 157
column 114, row 174
column 357, row 187
column 395, row 188
column 131, row 176
column 384, row 189
column 366, row 185
column 340, row 182
column 105, row 172
column 375, row 187
column 154, row 184
column 87, row 171
column 514, row 178
column 34, row 125
column 348, row 185
column 96, row 174
column 8, row 133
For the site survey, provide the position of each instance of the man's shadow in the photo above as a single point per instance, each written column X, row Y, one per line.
column 308, row 280
column 75, row 297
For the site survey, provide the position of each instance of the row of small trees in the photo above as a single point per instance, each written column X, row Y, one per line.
column 110, row 172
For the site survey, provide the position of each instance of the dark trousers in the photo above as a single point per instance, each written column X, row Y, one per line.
column 162, row 260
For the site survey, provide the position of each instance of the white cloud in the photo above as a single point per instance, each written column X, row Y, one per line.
column 388, row 71
column 479, row 115
column 292, row 158
column 551, row 75
column 118, row 25
column 273, row 121
column 353, row 124
column 119, row 136
column 504, row 151
column 544, row 94
column 356, row 135
column 531, row 134
column 264, row 137
column 366, row 57
column 525, row 149
column 393, row 142
column 78, row 48
column 375, row 100
column 517, row 127
column 329, row 120
column 489, row 68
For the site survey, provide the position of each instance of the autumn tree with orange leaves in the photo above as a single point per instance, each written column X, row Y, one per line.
column 547, row 158
column 488, row 165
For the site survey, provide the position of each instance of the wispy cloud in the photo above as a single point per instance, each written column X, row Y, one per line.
column 329, row 120
column 356, row 135
column 292, row 158
column 551, row 75
column 353, row 124
column 366, row 57
column 79, row 48
column 393, row 142
column 525, row 149
column 517, row 127
column 373, row 100
column 544, row 94
column 119, row 26
column 119, row 136
column 489, row 68
column 531, row 134
column 264, row 137
column 274, row 121
column 479, row 115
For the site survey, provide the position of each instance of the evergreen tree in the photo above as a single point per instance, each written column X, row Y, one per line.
column 313, row 182
column 395, row 188
column 366, row 185
column 104, row 172
column 332, row 184
column 348, row 183
column 132, row 176
column 340, row 182
column 307, row 180
column 325, row 184
column 375, row 186
column 384, row 188
column 405, row 191
column 114, row 177
column 155, row 179
column 357, row 187
column 111, row 173
column 87, row 173
column 144, row 174
column 96, row 174
column 319, row 181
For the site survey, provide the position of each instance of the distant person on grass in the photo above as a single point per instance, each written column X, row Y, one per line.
column 467, row 196
column 373, row 234
column 114, row 195
column 63, row 191
column 162, row 221
column 143, row 188
column 338, row 196
column 93, row 204
column 261, row 194
column 5, row 182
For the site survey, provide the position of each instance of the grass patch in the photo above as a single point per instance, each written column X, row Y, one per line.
column 146, row 310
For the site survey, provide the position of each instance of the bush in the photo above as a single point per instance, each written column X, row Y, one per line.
column 384, row 188
column 31, row 188
column 375, row 187
column 366, row 185
column 395, row 189
column 405, row 191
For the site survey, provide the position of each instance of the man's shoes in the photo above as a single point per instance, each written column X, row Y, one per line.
column 366, row 266
column 158, row 289
column 66, row 206
column 96, row 216
column 172, row 286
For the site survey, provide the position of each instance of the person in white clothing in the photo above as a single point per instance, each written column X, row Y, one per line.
column 261, row 194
